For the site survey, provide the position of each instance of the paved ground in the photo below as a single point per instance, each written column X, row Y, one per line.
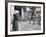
column 25, row 26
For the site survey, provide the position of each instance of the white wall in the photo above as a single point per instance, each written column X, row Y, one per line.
column 2, row 17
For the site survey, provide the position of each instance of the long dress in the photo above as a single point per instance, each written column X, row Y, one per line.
column 15, row 22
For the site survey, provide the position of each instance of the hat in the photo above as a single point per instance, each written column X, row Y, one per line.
column 15, row 11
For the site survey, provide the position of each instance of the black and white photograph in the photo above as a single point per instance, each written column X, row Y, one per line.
column 25, row 18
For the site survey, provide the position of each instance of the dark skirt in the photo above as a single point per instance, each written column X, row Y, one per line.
column 15, row 22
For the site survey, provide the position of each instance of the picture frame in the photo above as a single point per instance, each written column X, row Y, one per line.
column 20, row 9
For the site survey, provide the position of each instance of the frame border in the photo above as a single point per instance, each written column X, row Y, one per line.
column 6, row 18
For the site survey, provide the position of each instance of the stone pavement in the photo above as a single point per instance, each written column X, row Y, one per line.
column 26, row 26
